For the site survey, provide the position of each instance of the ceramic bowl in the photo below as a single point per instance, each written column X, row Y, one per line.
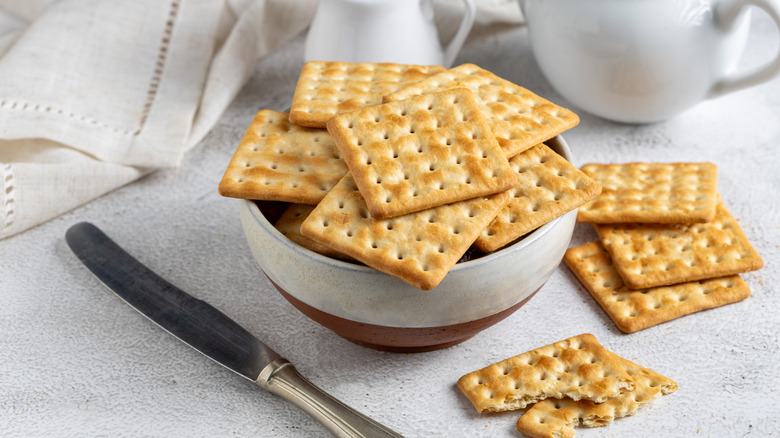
column 376, row 310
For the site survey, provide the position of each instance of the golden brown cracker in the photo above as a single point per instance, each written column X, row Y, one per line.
column 650, row 255
column 634, row 310
column 519, row 118
column 277, row 161
column 556, row 418
column 548, row 187
column 327, row 88
column 419, row 248
column 420, row 153
column 652, row 193
column 578, row 367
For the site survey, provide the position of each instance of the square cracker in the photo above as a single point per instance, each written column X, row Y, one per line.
column 420, row 153
column 556, row 418
column 634, row 310
column 277, row 161
column 578, row 368
column 419, row 248
column 652, row 193
column 325, row 89
column 650, row 255
column 519, row 118
column 289, row 224
column 548, row 187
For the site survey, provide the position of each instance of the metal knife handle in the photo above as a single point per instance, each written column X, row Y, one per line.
column 281, row 378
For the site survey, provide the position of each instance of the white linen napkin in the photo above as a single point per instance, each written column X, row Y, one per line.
column 94, row 94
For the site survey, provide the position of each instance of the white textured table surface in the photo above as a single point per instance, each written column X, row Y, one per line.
column 76, row 361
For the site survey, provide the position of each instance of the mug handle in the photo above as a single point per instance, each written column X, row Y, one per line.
column 452, row 49
column 729, row 11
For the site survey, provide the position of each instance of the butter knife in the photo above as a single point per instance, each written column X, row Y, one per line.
column 211, row 332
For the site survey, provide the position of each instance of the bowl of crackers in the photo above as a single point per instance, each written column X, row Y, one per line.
column 407, row 208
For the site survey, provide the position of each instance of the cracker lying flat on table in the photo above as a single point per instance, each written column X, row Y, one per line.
column 420, row 153
column 556, row 418
column 277, row 161
column 578, row 368
column 633, row 310
column 419, row 248
column 548, row 187
column 519, row 118
column 289, row 224
column 328, row 88
column 652, row 193
column 650, row 255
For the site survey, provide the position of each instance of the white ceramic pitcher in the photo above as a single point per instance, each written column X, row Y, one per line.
column 644, row 61
column 400, row 31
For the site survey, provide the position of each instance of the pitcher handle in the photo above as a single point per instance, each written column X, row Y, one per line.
column 729, row 11
column 452, row 49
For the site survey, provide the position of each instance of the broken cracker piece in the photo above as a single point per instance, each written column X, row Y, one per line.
column 578, row 367
column 552, row 418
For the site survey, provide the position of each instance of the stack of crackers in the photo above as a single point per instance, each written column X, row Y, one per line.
column 415, row 165
column 569, row 382
column 668, row 245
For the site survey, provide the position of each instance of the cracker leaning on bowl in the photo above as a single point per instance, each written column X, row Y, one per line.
column 519, row 118
column 278, row 161
column 548, row 186
column 419, row 248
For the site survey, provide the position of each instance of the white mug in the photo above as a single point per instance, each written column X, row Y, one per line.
column 642, row 61
column 400, row 31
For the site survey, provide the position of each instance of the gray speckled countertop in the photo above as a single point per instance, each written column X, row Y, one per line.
column 76, row 361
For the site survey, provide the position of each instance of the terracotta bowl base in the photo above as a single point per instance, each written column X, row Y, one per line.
column 400, row 339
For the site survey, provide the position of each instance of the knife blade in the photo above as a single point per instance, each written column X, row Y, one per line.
column 211, row 332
